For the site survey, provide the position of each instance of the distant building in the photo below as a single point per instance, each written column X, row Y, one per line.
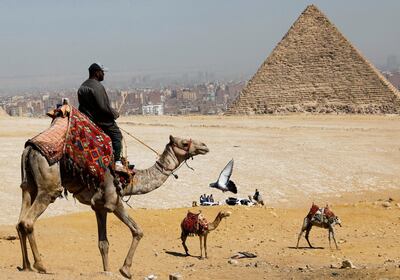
column 186, row 95
column 153, row 109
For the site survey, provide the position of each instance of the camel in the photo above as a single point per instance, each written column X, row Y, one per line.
column 43, row 183
column 320, row 217
column 202, row 233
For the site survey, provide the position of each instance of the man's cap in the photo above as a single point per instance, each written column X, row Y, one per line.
column 97, row 67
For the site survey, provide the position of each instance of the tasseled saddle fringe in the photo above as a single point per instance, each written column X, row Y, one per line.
column 72, row 169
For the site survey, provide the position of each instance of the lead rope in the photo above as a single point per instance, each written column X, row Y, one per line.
column 141, row 142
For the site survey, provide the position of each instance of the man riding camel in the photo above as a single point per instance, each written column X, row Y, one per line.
column 94, row 103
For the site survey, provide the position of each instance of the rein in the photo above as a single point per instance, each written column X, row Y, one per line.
column 187, row 156
column 187, row 149
column 141, row 142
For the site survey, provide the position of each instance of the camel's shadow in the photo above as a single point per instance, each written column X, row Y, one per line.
column 178, row 254
column 307, row 248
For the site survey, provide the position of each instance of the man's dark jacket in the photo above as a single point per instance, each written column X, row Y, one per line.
column 94, row 102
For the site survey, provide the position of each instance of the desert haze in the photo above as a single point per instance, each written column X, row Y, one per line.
column 350, row 162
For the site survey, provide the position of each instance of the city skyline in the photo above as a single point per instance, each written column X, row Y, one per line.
column 49, row 45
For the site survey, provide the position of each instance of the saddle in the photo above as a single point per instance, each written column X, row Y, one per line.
column 78, row 143
column 194, row 223
column 320, row 214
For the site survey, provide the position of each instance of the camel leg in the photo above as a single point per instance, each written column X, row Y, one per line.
column 298, row 239
column 205, row 246
column 201, row 246
column 26, row 187
column 307, row 234
column 110, row 193
column 329, row 238
column 27, row 223
column 332, row 231
column 137, row 234
column 183, row 238
column 303, row 228
column 26, row 203
column 101, row 217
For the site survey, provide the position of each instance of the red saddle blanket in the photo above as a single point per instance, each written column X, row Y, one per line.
column 79, row 140
column 194, row 223
column 325, row 211
column 51, row 142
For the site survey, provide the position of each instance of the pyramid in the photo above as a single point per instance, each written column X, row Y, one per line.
column 314, row 68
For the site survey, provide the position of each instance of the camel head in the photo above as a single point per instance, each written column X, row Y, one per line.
column 224, row 214
column 336, row 221
column 186, row 148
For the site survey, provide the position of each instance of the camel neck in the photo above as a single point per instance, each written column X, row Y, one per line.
column 215, row 223
column 146, row 180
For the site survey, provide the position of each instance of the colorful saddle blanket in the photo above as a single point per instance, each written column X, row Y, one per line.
column 87, row 145
column 194, row 223
column 51, row 142
column 80, row 140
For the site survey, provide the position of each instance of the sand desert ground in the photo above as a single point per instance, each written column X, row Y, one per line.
column 351, row 162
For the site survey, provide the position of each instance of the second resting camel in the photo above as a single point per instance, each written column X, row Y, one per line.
column 327, row 219
column 43, row 183
column 202, row 233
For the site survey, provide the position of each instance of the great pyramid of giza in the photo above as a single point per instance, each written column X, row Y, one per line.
column 314, row 68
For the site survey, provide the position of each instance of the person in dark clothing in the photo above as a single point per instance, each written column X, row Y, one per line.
column 94, row 102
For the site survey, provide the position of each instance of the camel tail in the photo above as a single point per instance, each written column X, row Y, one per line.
column 232, row 187
column 24, row 161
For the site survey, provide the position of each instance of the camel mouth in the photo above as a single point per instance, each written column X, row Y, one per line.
column 203, row 150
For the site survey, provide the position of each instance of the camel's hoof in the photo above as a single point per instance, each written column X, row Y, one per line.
column 39, row 267
column 125, row 272
column 25, row 269
column 107, row 273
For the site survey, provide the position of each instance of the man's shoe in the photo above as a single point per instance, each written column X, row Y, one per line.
column 119, row 167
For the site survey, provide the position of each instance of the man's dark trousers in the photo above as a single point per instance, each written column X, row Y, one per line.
column 115, row 134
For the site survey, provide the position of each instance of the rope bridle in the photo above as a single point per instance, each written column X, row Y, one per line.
column 159, row 165
column 162, row 168
column 187, row 155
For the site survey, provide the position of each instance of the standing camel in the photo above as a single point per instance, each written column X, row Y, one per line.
column 319, row 217
column 201, row 230
column 43, row 183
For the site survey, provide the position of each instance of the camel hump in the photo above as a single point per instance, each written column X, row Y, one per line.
column 194, row 223
column 328, row 213
column 314, row 209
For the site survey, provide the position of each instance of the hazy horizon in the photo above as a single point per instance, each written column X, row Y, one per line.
column 50, row 44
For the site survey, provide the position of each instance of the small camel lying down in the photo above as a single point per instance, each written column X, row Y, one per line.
column 196, row 224
column 320, row 217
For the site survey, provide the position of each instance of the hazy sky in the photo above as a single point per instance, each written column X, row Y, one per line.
column 48, row 42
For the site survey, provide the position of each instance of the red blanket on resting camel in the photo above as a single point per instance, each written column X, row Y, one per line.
column 194, row 223
column 80, row 140
column 325, row 211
